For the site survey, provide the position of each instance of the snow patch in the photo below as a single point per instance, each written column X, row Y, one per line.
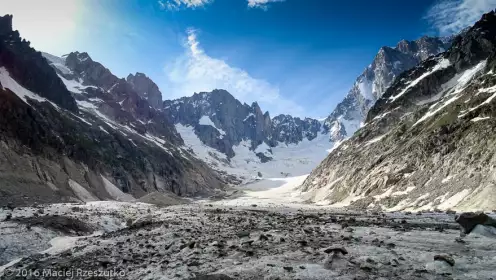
column 432, row 113
column 264, row 149
column 447, row 179
column 443, row 63
column 249, row 116
column 86, row 104
column 269, row 192
column 375, row 140
column 477, row 119
column 8, row 82
column 73, row 85
column 487, row 101
column 365, row 88
column 205, row 120
column 103, row 129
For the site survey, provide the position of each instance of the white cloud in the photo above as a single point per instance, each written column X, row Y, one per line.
column 178, row 4
column 195, row 71
column 261, row 3
column 451, row 16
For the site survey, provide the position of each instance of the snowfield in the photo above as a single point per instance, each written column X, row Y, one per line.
column 287, row 160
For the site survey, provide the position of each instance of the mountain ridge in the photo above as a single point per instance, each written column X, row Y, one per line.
column 389, row 62
column 65, row 139
column 428, row 141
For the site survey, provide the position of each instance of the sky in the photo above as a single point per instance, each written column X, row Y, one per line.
column 297, row 57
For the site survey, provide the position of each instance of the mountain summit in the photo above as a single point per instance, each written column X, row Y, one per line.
column 388, row 64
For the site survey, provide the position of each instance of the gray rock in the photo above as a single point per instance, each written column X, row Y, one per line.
column 468, row 221
column 146, row 88
column 448, row 259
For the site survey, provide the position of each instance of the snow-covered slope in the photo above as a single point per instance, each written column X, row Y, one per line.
column 286, row 159
column 243, row 141
column 349, row 115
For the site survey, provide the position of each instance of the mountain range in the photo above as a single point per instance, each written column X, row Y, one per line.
column 428, row 141
column 389, row 63
column 79, row 133
column 82, row 133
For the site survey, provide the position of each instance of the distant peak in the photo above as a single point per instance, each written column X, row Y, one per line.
column 139, row 74
column 385, row 50
column 81, row 56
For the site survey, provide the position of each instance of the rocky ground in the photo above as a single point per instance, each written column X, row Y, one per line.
column 210, row 240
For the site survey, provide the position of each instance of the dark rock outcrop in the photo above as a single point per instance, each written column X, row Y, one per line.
column 29, row 67
column 146, row 89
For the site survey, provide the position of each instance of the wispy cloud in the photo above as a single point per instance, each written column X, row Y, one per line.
column 179, row 4
column 263, row 4
column 195, row 71
column 450, row 16
column 175, row 5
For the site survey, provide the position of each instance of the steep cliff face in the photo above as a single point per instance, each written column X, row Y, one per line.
column 84, row 134
column 428, row 142
column 146, row 89
column 388, row 64
column 288, row 129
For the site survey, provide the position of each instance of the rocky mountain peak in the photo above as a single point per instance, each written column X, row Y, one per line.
column 146, row 88
column 423, row 47
column 475, row 43
column 257, row 109
column 90, row 72
column 388, row 64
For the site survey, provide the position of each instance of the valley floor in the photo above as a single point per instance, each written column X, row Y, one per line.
column 265, row 231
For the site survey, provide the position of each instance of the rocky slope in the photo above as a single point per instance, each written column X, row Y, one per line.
column 207, row 241
column 428, row 142
column 241, row 137
column 388, row 64
column 82, row 134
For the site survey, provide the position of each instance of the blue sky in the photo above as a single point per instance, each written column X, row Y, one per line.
column 294, row 56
